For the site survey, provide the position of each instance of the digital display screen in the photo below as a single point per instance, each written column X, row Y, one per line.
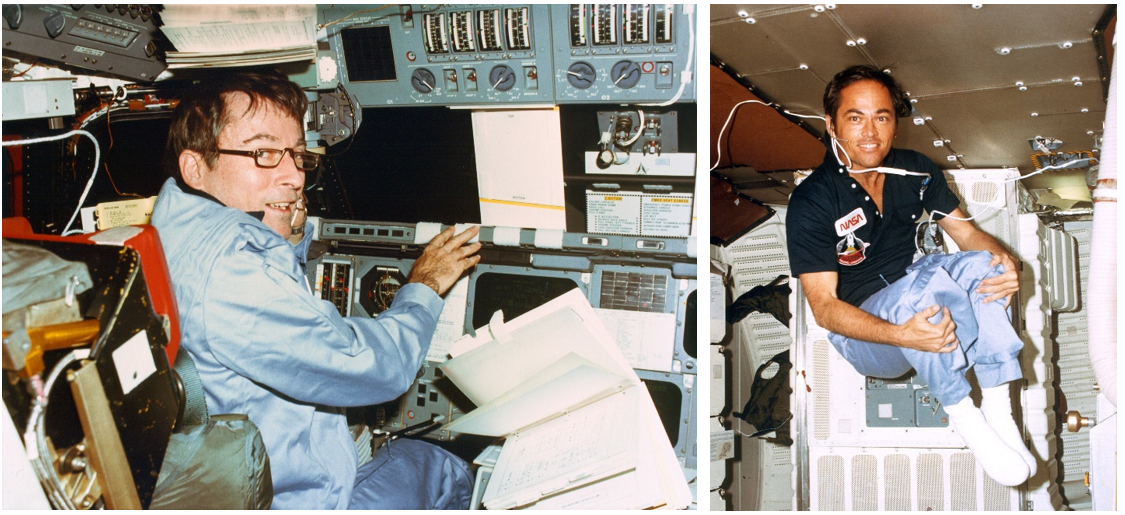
column 689, row 326
column 514, row 294
column 668, row 398
column 368, row 53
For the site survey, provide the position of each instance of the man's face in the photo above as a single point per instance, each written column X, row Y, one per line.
column 239, row 182
column 865, row 123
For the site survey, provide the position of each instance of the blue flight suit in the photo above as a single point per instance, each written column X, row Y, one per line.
column 266, row 347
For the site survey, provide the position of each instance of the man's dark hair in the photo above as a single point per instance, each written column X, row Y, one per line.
column 202, row 112
column 858, row 73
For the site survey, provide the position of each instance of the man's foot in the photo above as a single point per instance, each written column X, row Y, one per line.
column 1000, row 462
column 996, row 404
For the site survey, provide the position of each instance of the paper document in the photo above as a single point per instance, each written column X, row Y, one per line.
column 581, row 429
column 238, row 28
column 565, row 325
column 451, row 323
column 588, row 443
column 646, row 339
column 519, row 168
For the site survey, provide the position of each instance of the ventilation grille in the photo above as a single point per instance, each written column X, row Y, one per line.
column 997, row 497
column 980, row 188
column 829, row 483
column 904, row 480
column 963, row 482
column 931, row 484
column 821, row 399
column 781, row 455
column 897, row 482
column 865, row 481
column 984, row 196
column 1076, row 375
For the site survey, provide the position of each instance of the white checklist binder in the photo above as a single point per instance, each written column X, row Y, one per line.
column 580, row 428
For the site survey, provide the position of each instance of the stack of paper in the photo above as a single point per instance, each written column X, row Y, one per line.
column 239, row 35
column 581, row 429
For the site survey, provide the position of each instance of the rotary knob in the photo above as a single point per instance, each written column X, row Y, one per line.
column 422, row 81
column 625, row 74
column 502, row 78
column 581, row 75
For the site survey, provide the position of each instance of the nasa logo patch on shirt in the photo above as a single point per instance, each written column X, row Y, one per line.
column 851, row 250
column 850, row 222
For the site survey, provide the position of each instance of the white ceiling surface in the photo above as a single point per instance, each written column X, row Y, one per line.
column 947, row 57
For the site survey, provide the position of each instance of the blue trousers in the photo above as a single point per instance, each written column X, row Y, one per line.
column 412, row 475
column 988, row 343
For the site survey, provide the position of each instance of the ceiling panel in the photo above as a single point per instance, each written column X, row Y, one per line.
column 946, row 56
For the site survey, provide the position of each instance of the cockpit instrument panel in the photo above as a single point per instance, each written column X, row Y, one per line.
column 642, row 295
column 480, row 55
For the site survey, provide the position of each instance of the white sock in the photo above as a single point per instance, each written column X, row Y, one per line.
column 1000, row 462
column 996, row 404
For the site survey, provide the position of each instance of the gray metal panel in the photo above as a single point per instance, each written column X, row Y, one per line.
column 652, row 86
column 38, row 99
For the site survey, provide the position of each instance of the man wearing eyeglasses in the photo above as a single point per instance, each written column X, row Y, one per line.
column 232, row 224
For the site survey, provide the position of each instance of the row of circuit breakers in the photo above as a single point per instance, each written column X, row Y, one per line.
column 534, row 54
column 369, row 262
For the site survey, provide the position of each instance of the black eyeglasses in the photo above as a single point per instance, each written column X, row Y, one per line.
column 271, row 157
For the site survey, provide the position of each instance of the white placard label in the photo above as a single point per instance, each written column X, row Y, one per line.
column 639, row 214
column 666, row 215
column 133, row 361
column 722, row 445
column 613, row 213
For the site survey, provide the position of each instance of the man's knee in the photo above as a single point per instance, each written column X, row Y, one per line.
column 410, row 474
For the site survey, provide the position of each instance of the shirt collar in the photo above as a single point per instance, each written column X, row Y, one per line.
column 259, row 215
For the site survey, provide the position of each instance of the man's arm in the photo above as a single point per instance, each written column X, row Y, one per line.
column 842, row 318
column 969, row 237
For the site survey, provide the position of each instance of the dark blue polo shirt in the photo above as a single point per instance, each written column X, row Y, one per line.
column 882, row 247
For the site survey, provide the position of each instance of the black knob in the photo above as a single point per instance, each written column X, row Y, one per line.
column 54, row 24
column 13, row 14
column 581, row 75
column 625, row 74
column 422, row 81
column 502, row 77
